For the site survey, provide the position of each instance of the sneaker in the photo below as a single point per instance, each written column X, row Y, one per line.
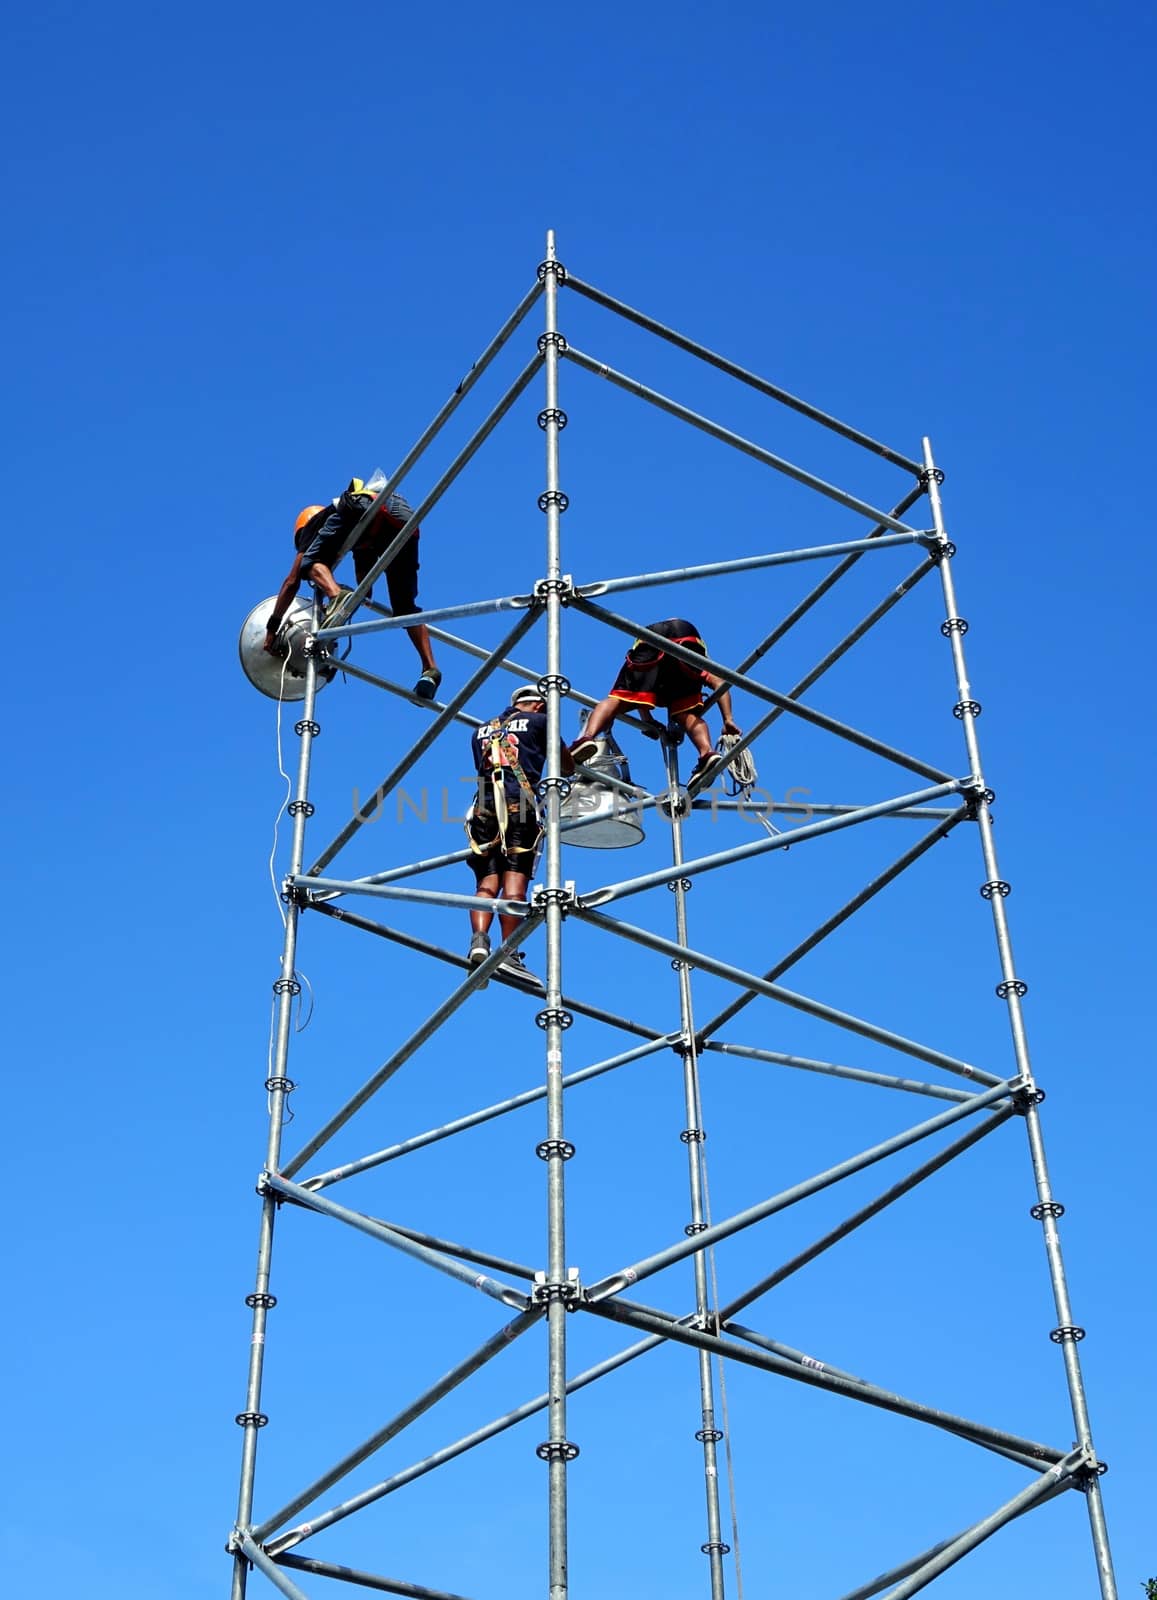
column 331, row 610
column 702, row 765
column 583, row 749
column 514, row 967
column 427, row 685
column 478, row 952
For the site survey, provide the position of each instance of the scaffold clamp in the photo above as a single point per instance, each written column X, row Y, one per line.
column 564, row 897
column 570, row 1291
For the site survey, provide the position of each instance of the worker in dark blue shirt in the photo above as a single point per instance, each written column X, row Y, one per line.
column 321, row 532
column 504, row 826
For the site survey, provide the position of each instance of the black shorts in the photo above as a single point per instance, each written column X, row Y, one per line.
column 650, row 677
column 523, row 837
column 401, row 574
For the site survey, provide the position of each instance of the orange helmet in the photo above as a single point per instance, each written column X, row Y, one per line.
column 306, row 514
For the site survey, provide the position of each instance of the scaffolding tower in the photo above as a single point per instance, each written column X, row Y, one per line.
column 542, row 1297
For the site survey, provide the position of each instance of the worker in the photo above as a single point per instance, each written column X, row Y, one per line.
column 503, row 825
column 319, row 534
column 649, row 677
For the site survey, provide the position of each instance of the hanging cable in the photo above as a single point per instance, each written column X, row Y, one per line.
column 726, row 1416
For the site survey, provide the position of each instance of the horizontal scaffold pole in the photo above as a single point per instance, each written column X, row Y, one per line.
column 838, row 918
column 867, row 1212
column 832, row 1069
column 450, row 1381
column 470, row 1441
column 474, row 1119
column 699, row 960
column 734, row 370
column 760, row 691
column 492, row 1287
column 780, row 841
column 747, row 446
column 476, row 977
column 365, row 1580
column 721, row 569
column 442, row 721
column 616, row 1282
column 836, row 653
column 647, row 1319
column 424, row 947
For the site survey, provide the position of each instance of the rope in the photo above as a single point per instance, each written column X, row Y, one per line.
column 300, row 1026
column 741, row 767
column 725, row 1416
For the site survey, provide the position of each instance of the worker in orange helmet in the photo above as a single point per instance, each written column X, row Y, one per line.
column 319, row 534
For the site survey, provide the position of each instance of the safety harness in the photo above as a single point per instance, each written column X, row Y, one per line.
column 500, row 754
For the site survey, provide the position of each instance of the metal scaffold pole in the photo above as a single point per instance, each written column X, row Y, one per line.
column 1012, row 989
column 530, row 1294
column 693, row 1136
column 278, row 1087
column 557, row 1450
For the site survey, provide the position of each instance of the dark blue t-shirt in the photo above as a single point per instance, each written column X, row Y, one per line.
column 524, row 734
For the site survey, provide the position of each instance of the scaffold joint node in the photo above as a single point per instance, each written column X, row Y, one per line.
column 975, row 795
column 1026, row 1096
column 553, row 680
column 692, row 1228
column 307, row 725
column 1046, row 1208
column 1067, row 1334
column 282, row 1085
column 995, row 886
column 563, row 587
column 680, row 883
column 544, row 785
column 563, row 896
column 550, row 1149
column 558, row 340
column 570, row 1291
column 941, row 550
column 554, row 1017
column 963, row 708
column 288, row 986
column 953, row 625
column 693, row 1135
column 708, row 1435
column 1010, row 986
column 931, row 475
column 715, row 1547
column 553, row 497
column 260, row 1301
column 557, row 1450
column 551, row 266
column 256, row 1419
column 553, row 414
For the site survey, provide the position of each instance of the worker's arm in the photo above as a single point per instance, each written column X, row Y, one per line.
column 281, row 605
column 724, row 701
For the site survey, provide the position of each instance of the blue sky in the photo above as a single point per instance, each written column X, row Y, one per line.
column 250, row 252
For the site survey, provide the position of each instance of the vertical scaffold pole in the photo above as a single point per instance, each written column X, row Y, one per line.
column 278, row 1087
column 557, row 1451
column 1011, row 990
column 693, row 1136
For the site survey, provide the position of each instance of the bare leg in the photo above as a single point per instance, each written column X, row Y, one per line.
column 513, row 888
column 419, row 637
column 600, row 718
column 488, row 888
column 696, row 730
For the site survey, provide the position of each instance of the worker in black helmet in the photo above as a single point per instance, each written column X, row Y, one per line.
column 504, row 826
column 319, row 535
